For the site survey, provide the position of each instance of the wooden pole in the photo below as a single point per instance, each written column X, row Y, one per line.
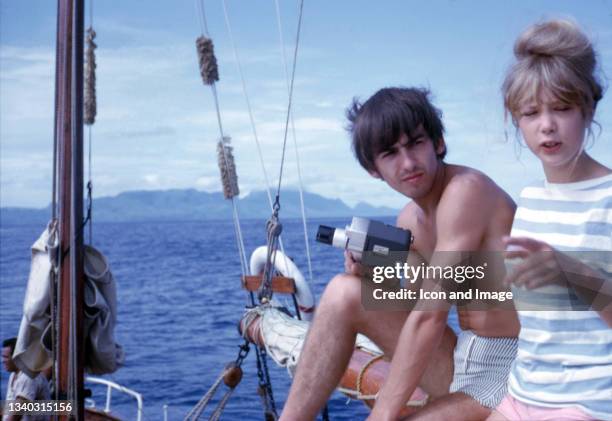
column 64, row 46
column 69, row 123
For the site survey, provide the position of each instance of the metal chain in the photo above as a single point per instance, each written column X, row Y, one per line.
column 242, row 354
column 265, row 384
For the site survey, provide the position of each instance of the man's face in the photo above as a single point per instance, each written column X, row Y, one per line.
column 7, row 359
column 410, row 165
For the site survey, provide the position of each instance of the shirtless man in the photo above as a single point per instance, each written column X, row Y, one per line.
column 398, row 137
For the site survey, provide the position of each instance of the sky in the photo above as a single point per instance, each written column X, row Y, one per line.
column 156, row 125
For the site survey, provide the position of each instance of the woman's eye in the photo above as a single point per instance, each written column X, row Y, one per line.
column 528, row 113
column 562, row 108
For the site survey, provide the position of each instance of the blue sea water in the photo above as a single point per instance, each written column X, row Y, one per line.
column 179, row 304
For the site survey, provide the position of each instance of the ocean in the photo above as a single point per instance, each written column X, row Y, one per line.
column 180, row 301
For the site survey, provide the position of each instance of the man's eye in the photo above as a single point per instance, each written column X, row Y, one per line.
column 387, row 154
column 562, row 108
column 529, row 113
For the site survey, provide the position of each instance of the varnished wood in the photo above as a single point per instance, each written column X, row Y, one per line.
column 280, row 284
column 69, row 126
column 92, row 414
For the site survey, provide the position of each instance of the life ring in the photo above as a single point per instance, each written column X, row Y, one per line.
column 286, row 267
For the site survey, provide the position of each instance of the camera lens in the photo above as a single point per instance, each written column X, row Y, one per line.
column 325, row 234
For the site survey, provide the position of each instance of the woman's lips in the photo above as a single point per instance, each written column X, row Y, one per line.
column 550, row 146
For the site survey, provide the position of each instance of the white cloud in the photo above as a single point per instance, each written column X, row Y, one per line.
column 208, row 183
column 152, row 180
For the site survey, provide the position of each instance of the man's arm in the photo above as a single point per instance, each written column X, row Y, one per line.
column 17, row 417
column 461, row 220
column 25, row 391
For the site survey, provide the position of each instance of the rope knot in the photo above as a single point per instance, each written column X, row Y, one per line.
column 89, row 100
column 227, row 167
column 274, row 227
column 207, row 59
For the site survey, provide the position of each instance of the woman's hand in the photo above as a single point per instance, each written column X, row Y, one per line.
column 539, row 265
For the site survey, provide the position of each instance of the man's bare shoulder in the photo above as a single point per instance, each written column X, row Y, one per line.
column 473, row 211
column 406, row 217
column 467, row 184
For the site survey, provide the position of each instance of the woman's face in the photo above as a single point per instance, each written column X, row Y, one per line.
column 554, row 131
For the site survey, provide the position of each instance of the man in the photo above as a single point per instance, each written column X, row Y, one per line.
column 398, row 137
column 22, row 388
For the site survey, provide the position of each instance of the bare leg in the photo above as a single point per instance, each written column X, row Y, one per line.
column 330, row 344
column 496, row 416
column 456, row 406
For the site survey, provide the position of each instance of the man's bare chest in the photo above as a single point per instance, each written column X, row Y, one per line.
column 424, row 234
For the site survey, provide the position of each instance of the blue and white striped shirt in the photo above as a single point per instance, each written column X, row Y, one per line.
column 564, row 358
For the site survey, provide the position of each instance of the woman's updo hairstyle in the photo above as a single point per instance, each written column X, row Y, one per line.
column 557, row 56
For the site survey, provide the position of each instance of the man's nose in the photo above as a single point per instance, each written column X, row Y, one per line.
column 406, row 159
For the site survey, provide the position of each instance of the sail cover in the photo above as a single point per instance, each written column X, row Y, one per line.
column 33, row 349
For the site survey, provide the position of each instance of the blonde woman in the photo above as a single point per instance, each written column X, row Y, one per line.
column 563, row 369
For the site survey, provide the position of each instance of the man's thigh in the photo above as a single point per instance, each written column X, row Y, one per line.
column 383, row 328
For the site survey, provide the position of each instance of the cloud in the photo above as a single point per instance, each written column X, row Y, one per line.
column 139, row 133
column 152, row 180
column 208, row 183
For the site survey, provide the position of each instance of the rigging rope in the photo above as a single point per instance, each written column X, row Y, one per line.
column 54, row 259
column 251, row 119
column 295, row 145
column 274, row 226
column 209, row 72
column 90, row 111
column 231, row 376
column 295, row 51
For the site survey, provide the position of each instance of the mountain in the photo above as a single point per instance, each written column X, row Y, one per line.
column 190, row 204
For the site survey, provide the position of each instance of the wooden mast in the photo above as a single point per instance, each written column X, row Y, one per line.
column 69, row 126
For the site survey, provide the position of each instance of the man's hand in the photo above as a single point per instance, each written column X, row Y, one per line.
column 352, row 266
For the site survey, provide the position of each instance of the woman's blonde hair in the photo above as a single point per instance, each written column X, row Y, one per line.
column 557, row 56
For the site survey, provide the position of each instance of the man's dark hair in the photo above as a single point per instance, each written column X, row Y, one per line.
column 10, row 343
column 377, row 124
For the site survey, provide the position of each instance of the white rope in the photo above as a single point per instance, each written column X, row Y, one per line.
column 248, row 102
column 241, row 249
column 295, row 52
column 356, row 395
column 295, row 145
column 289, row 104
column 251, row 119
column 200, row 406
column 235, row 216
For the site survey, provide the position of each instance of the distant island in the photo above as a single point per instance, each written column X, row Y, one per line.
column 193, row 205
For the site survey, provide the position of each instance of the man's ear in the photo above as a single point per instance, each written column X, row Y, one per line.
column 441, row 148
